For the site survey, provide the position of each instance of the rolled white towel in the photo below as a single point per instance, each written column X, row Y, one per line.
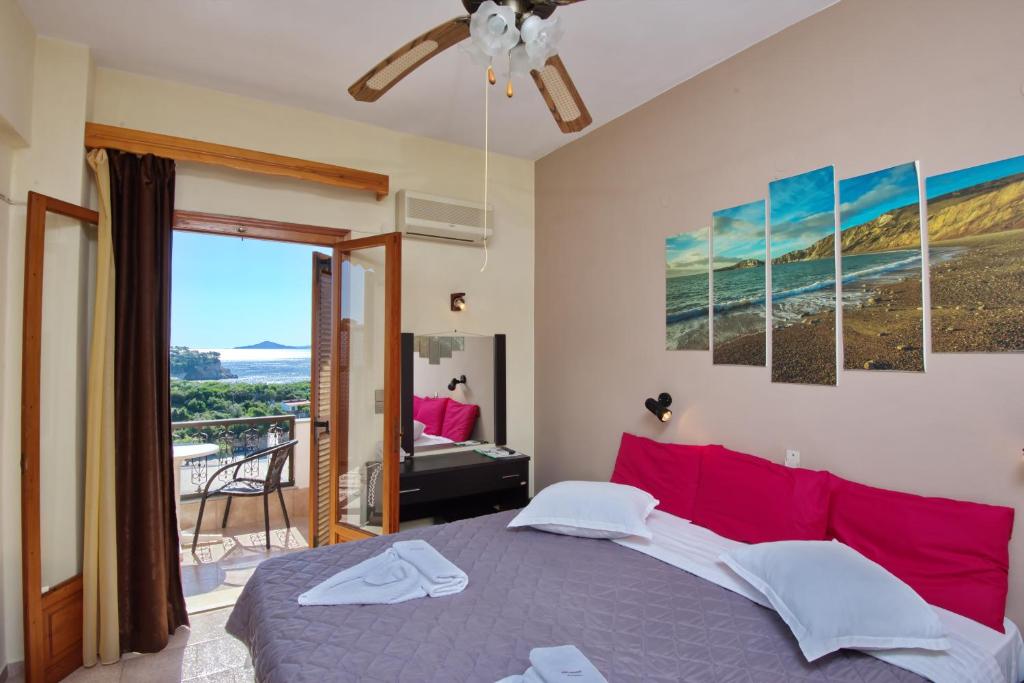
column 557, row 665
column 529, row 677
column 438, row 575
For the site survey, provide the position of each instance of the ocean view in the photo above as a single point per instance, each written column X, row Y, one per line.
column 800, row 288
column 270, row 366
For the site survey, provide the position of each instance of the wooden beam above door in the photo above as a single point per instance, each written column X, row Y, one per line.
column 98, row 135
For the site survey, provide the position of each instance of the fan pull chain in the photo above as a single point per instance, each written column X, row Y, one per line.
column 509, row 92
column 487, row 149
column 491, row 78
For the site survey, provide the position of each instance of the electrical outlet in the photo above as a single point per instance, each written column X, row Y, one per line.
column 792, row 458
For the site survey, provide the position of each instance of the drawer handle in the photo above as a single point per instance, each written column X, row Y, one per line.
column 410, row 490
column 511, row 476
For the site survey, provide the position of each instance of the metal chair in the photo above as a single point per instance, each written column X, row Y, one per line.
column 249, row 487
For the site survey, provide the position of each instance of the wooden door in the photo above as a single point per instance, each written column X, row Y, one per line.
column 320, row 404
column 365, row 385
column 52, row 619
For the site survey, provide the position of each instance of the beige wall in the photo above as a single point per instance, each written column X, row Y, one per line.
column 50, row 163
column 864, row 85
column 17, row 59
column 500, row 299
column 67, row 91
column 8, row 466
column 17, row 53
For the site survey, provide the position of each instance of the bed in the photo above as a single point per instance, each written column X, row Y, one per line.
column 629, row 609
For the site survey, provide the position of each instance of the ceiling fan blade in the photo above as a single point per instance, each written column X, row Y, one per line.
column 408, row 58
column 561, row 96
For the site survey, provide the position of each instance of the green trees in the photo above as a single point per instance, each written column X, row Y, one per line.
column 222, row 400
column 189, row 364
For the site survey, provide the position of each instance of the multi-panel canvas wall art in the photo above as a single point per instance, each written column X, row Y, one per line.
column 880, row 243
column 686, row 291
column 976, row 252
column 803, row 228
column 738, row 241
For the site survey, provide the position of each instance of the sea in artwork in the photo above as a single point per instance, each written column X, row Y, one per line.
column 883, row 320
column 803, row 278
column 687, row 302
column 738, row 243
column 268, row 366
column 976, row 222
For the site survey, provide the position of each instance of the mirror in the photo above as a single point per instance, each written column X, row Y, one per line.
column 470, row 371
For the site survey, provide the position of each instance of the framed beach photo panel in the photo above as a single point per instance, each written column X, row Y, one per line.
column 976, row 257
column 687, row 261
column 739, row 246
column 803, row 232
column 880, row 244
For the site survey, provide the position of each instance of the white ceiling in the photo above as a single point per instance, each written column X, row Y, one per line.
column 305, row 53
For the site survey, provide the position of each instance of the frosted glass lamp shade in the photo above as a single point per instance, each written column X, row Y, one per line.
column 493, row 29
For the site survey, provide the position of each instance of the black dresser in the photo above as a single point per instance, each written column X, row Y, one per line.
column 461, row 484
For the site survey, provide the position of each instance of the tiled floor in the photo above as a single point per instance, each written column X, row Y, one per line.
column 201, row 654
column 226, row 558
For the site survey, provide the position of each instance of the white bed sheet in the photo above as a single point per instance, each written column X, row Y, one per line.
column 979, row 654
column 430, row 440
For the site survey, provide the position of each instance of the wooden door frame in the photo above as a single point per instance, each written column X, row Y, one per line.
column 100, row 136
column 53, row 645
column 275, row 231
column 258, row 229
column 392, row 244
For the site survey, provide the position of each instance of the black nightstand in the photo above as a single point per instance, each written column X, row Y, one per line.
column 459, row 485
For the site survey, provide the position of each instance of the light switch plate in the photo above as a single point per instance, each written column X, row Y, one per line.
column 792, row 458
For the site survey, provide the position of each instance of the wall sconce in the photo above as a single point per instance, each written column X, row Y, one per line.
column 456, row 381
column 659, row 406
column 458, row 300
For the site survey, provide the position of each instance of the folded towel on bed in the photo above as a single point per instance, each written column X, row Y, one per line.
column 556, row 664
column 439, row 576
column 405, row 571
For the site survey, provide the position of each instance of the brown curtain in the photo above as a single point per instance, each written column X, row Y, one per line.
column 150, row 600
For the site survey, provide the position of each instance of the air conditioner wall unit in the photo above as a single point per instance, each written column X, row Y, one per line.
column 442, row 218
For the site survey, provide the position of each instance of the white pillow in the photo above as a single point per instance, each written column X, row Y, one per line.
column 417, row 429
column 589, row 509
column 833, row 597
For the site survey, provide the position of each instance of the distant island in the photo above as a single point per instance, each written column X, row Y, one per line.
column 271, row 345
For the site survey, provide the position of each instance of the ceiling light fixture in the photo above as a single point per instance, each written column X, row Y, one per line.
column 527, row 41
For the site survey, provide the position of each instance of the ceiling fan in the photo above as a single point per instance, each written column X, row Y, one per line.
column 521, row 31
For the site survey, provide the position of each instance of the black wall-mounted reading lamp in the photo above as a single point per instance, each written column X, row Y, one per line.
column 456, row 381
column 458, row 301
column 659, row 406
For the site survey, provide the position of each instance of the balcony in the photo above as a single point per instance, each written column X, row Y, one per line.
column 226, row 558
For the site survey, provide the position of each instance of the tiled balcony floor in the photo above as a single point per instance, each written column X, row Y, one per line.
column 226, row 558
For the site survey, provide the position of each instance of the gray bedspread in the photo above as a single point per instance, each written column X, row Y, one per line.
column 634, row 617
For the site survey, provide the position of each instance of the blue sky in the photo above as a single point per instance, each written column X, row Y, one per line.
column 739, row 233
column 228, row 292
column 803, row 210
column 939, row 185
column 868, row 196
column 686, row 253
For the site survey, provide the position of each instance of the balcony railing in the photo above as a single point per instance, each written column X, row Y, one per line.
column 236, row 438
